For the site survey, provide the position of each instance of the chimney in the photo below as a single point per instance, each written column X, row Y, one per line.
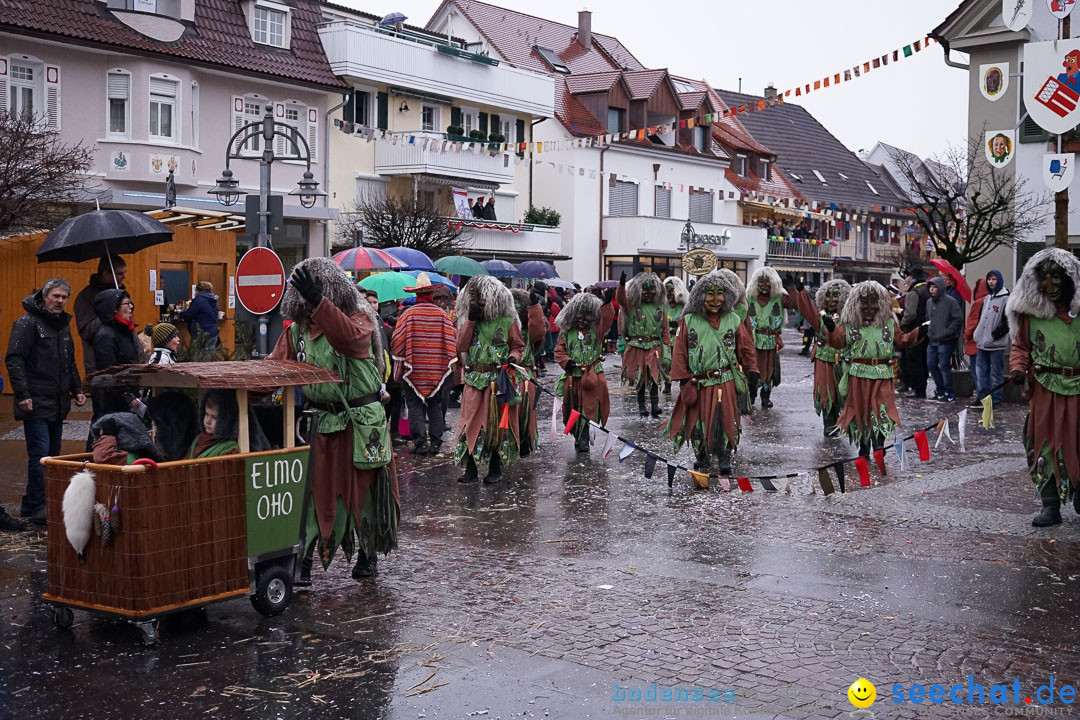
column 584, row 29
column 770, row 92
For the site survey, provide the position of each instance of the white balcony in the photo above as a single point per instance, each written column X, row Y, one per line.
column 413, row 62
column 644, row 235
column 512, row 241
column 407, row 158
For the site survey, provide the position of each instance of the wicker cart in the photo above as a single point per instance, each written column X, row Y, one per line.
column 191, row 532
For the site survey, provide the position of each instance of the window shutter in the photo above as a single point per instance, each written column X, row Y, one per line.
column 348, row 112
column 313, row 133
column 52, row 96
column 1030, row 132
column 663, row 202
column 496, row 124
column 384, row 111
column 622, row 199
column 455, row 116
column 520, row 131
column 482, row 123
column 3, row 84
column 701, row 209
column 160, row 86
column 119, row 86
column 237, row 118
column 281, row 146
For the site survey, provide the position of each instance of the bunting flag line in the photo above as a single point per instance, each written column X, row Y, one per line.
column 879, row 458
column 627, row 451
column 700, row 479
column 943, row 431
column 825, row 481
column 901, row 453
column 923, row 444
column 864, row 471
column 571, row 421
column 838, row 468
column 671, row 470
column 961, row 428
column 650, row 465
column 556, row 408
column 609, row 444
column 766, row 484
column 988, row 412
column 785, row 485
column 725, row 484
column 744, row 484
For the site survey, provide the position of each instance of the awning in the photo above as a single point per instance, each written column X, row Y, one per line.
column 661, row 252
column 208, row 203
column 429, row 179
column 792, row 212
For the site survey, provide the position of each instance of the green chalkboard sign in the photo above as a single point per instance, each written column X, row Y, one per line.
column 275, row 500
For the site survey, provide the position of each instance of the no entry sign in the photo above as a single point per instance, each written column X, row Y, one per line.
column 260, row 280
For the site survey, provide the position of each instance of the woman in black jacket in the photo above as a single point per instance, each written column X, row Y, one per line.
column 115, row 344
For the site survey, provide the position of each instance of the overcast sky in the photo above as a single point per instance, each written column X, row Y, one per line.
column 919, row 104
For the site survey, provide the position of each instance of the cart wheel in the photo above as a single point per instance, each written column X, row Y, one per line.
column 149, row 632
column 273, row 590
column 62, row 617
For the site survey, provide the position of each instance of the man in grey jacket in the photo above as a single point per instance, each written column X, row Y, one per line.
column 992, row 337
column 946, row 325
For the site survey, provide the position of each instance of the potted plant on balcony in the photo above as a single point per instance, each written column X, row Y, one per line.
column 495, row 139
column 542, row 216
column 456, row 133
column 478, row 135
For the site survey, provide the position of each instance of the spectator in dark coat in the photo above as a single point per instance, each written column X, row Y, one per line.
column 915, row 302
column 110, row 275
column 478, row 209
column 489, row 210
column 115, row 344
column 946, row 327
column 202, row 314
column 41, row 364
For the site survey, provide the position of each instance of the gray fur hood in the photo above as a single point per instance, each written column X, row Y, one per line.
column 498, row 302
column 586, row 303
column 776, row 288
column 845, row 291
column 850, row 314
column 1028, row 299
column 695, row 305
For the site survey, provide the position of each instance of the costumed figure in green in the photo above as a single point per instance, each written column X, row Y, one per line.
column 643, row 324
column 533, row 327
column 354, row 490
column 582, row 324
column 765, row 320
column 713, row 361
column 867, row 337
column 828, row 363
column 676, row 294
column 1045, row 356
column 488, row 342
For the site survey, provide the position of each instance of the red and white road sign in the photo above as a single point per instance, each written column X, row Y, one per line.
column 260, row 280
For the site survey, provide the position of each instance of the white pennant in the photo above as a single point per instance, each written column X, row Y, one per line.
column 626, row 452
column 961, row 425
column 945, row 432
column 612, row 438
column 556, row 408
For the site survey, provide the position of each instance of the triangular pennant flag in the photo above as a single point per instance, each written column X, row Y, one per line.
column 725, row 484
column 650, row 465
column 943, row 430
column 901, row 453
column 988, row 412
column 785, row 485
column 908, row 51
column 923, row 444
column 961, row 428
column 838, row 468
column 879, row 458
column 671, row 469
column 556, row 408
column 766, row 484
column 570, row 421
column 864, row 471
column 744, row 485
column 825, row 481
column 627, row 451
column 612, row 438
column 592, row 432
column 504, row 421
column 700, row 479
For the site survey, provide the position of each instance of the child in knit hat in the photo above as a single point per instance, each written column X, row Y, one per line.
column 166, row 339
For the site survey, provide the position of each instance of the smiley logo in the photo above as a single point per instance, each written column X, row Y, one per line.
column 862, row 693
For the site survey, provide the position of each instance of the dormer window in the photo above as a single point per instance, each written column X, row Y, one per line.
column 551, row 59
column 170, row 8
column 740, row 165
column 764, row 171
column 795, row 177
column 682, row 86
column 615, row 120
column 270, row 24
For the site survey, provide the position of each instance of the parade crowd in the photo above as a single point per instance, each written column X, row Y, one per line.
column 713, row 346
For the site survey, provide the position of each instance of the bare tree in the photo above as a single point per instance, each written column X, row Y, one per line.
column 390, row 221
column 39, row 175
column 968, row 207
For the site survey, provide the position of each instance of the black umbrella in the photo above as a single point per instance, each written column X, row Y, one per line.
column 101, row 233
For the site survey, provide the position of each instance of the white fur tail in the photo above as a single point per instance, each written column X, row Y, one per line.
column 79, row 510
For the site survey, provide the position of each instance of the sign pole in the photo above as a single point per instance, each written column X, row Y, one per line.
column 1061, row 198
column 263, row 239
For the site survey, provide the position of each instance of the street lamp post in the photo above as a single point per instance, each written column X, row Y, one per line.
column 228, row 190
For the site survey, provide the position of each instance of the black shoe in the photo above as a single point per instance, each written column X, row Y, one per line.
column 667, row 388
column 305, row 573
column 1076, row 502
column 642, row 410
column 524, row 451
column 11, row 524
column 918, row 395
column 364, row 567
column 39, row 517
column 1050, row 515
column 702, row 462
column 471, row 474
column 765, row 401
column 420, row 448
column 494, row 474
column 656, row 412
column 725, row 463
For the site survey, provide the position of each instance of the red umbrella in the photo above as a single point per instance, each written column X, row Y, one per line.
column 961, row 284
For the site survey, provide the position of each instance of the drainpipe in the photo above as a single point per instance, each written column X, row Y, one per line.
column 600, row 217
column 948, row 60
column 327, row 242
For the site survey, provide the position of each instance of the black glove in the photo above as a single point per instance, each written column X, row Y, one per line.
column 799, row 285
column 752, row 380
column 622, row 278
column 789, row 279
column 309, row 288
column 541, row 287
column 682, row 383
column 1016, row 377
column 476, row 313
column 922, row 333
column 828, row 322
column 609, row 296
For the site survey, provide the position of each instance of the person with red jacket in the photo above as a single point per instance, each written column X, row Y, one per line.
column 970, row 348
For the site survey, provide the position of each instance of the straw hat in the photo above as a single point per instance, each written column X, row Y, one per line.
column 423, row 285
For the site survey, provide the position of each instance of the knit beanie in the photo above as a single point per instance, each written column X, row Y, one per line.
column 163, row 333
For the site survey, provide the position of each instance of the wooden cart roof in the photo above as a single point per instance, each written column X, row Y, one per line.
column 226, row 375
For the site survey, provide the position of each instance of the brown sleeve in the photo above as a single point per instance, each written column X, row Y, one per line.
column 744, row 347
column 106, row 452
column 620, row 297
column 350, row 336
column 561, row 356
column 538, row 325
column 283, row 349
column 838, row 337
column 906, row 339
column 607, row 316
column 1020, row 355
column 517, row 344
column 464, row 337
column 680, row 365
column 665, row 329
column 790, row 301
column 807, row 309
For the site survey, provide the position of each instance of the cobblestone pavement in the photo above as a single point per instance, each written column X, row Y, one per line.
column 578, row 582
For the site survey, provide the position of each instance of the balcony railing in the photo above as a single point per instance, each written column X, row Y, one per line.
column 800, row 250
column 486, row 236
column 407, row 158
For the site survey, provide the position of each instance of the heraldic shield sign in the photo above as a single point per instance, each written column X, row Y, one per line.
column 1060, row 8
column 994, row 80
column 1000, row 146
column 1052, row 84
column 1057, row 170
column 1017, row 13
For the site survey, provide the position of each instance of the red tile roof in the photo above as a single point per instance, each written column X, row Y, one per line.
column 593, row 82
column 692, row 101
column 574, row 116
column 219, row 38
column 643, row 83
column 728, row 130
column 776, row 186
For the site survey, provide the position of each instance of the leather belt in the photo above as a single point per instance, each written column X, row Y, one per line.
column 644, row 339
column 483, row 368
column 711, row 374
column 761, row 331
column 355, row 403
column 875, row 361
column 1063, row 371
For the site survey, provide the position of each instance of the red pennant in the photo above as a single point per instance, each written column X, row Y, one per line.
column 504, row 421
column 924, row 445
column 744, row 485
column 574, row 415
column 864, row 471
column 879, row 458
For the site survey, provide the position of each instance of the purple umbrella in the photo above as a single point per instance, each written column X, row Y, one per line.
column 411, row 259
column 606, row 284
column 536, row 269
column 500, row 268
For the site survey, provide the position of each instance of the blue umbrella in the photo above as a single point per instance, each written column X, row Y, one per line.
column 536, row 269
column 411, row 259
column 392, row 19
column 435, row 278
column 500, row 268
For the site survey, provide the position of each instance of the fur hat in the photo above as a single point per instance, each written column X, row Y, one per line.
column 131, row 435
column 633, row 289
column 1028, row 299
column 177, row 422
column 843, row 285
column 850, row 314
column 695, row 305
column 498, row 302
column 776, row 288
column 162, row 333
column 582, row 303
column 679, row 287
column 736, row 282
column 227, row 426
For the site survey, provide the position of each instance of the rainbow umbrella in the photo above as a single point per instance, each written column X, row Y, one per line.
column 370, row 259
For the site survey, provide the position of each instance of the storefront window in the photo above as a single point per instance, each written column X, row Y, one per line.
column 663, row 265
